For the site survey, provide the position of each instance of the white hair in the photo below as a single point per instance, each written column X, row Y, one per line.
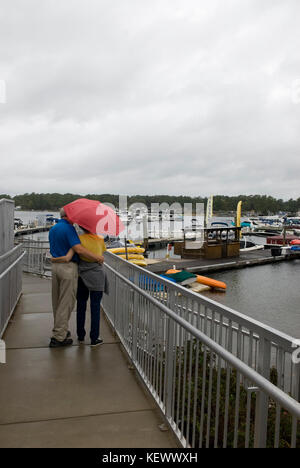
column 62, row 213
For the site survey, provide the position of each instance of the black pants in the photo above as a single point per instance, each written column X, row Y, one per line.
column 83, row 295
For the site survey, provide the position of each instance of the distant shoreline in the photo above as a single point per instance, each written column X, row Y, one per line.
column 252, row 205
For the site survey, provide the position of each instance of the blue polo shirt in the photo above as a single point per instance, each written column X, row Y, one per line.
column 62, row 237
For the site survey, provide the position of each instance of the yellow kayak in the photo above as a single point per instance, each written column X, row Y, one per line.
column 141, row 263
column 132, row 256
column 131, row 250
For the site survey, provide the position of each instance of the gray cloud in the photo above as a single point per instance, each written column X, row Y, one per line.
column 167, row 96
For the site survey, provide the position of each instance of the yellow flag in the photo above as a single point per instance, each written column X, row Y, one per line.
column 239, row 215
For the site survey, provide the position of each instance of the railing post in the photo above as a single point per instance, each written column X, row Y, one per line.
column 262, row 400
column 135, row 316
column 169, row 366
column 296, row 381
column 114, row 313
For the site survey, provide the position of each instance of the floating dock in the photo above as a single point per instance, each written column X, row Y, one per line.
column 33, row 230
column 202, row 265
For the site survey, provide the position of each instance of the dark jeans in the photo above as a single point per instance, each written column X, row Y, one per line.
column 83, row 295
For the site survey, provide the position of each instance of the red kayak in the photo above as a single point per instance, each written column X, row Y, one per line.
column 295, row 242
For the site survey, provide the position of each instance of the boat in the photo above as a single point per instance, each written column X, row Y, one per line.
column 219, row 224
column 50, row 219
column 244, row 244
column 248, row 246
column 211, row 282
column 224, row 235
column 279, row 240
column 18, row 223
column 295, row 242
column 292, row 222
column 203, row 280
column 269, row 225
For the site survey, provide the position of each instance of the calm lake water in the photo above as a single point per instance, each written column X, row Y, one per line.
column 269, row 293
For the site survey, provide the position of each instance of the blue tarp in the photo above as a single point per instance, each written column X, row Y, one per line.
column 145, row 282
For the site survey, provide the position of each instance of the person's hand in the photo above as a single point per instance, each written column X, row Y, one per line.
column 100, row 259
column 59, row 259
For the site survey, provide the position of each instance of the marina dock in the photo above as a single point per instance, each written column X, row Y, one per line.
column 201, row 265
column 33, row 230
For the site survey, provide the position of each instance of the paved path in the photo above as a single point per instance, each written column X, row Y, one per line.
column 71, row 397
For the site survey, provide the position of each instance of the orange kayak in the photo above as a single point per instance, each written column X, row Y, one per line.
column 210, row 282
column 204, row 280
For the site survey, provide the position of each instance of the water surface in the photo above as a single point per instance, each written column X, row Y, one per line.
column 268, row 293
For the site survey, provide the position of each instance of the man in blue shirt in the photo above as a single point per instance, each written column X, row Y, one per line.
column 62, row 238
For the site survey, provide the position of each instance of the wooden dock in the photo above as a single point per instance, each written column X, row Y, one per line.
column 33, row 230
column 202, row 265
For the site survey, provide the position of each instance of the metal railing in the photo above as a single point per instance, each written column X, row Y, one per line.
column 37, row 257
column 10, row 284
column 10, row 264
column 6, row 225
column 220, row 378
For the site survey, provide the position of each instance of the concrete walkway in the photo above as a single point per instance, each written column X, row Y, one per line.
column 70, row 397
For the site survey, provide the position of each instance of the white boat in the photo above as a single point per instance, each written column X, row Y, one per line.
column 248, row 246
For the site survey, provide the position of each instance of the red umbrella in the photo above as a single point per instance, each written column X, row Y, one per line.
column 94, row 216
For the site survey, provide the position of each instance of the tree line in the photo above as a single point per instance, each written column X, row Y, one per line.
column 255, row 204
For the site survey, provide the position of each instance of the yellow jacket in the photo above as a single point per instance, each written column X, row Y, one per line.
column 93, row 243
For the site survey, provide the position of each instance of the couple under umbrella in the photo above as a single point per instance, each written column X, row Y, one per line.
column 77, row 267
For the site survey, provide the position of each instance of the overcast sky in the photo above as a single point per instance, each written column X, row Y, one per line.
column 193, row 97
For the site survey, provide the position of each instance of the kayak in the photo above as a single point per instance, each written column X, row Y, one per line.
column 204, row 280
column 141, row 263
column 210, row 282
column 132, row 256
column 295, row 242
column 122, row 250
